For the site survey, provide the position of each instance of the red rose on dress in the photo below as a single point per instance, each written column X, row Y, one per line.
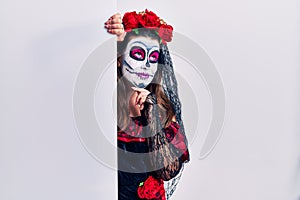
column 148, row 19
column 177, row 139
column 165, row 32
column 152, row 189
column 171, row 131
column 130, row 21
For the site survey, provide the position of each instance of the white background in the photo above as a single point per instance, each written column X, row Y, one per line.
column 255, row 46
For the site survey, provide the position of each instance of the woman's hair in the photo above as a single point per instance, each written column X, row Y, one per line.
column 165, row 110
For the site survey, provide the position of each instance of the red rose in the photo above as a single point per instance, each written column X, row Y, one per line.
column 148, row 19
column 165, row 32
column 152, row 189
column 130, row 21
column 177, row 139
column 171, row 131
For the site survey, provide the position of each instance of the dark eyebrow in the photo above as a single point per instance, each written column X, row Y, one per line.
column 139, row 42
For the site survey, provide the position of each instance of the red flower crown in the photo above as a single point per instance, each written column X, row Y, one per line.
column 148, row 19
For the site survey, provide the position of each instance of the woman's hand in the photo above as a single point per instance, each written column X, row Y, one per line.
column 142, row 95
column 114, row 26
column 136, row 101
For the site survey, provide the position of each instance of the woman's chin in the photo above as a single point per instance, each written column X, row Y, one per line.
column 141, row 85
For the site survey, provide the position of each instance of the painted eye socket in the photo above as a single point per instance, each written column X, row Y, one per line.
column 137, row 53
column 153, row 58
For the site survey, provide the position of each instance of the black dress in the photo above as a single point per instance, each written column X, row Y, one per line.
column 129, row 182
column 128, row 164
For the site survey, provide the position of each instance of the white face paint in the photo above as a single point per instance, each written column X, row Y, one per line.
column 140, row 61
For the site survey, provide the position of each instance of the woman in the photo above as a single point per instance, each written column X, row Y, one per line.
column 151, row 140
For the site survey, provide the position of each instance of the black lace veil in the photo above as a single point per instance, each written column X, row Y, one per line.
column 171, row 173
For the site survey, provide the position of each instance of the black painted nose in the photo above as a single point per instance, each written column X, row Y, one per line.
column 147, row 64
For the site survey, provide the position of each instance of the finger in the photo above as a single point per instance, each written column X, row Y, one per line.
column 109, row 21
column 135, row 94
column 141, row 101
column 116, row 16
column 141, row 90
column 143, row 93
column 142, row 107
column 116, row 31
column 141, row 98
column 137, row 89
column 134, row 97
column 137, row 99
column 116, row 26
column 116, row 21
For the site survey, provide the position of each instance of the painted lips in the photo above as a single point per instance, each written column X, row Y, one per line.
column 143, row 75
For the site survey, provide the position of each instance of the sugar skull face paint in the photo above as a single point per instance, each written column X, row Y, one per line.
column 140, row 61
